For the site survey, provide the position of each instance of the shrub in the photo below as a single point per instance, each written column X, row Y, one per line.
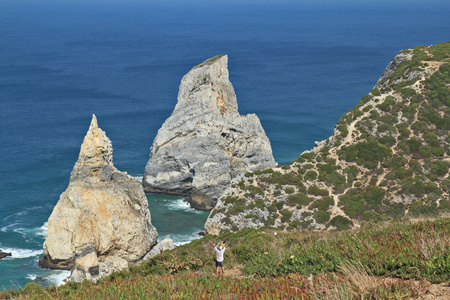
column 376, row 92
column 407, row 92
column 343, row 129
column 310, row 175
column 388, row 119
column 299, row 199
column 388, row 140
column 439, row 168
column 321, row 216
column 255, row 189
column 286, row 215
column 327, row 168
column 289, row 190
column 374, row 195
column 403, row 130
column 282, row 179
column 370, row 151
column 279, row 205
column 385, row 127
column 33, row 288
column 387, row 104
column 322, row 204
column 340, row 222
column 316, row 191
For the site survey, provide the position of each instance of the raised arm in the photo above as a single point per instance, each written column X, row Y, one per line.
column 227, row 244
column 212, row 244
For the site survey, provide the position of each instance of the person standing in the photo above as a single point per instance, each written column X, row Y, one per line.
column 219, row 257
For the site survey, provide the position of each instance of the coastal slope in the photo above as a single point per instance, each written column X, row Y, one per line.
column 387, row 158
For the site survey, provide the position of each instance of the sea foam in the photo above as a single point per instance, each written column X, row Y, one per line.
column 21, row 253
column 180, row 205
column 57, row 277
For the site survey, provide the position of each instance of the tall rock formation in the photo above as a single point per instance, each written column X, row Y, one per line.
column 206, row 143
column 102, row 215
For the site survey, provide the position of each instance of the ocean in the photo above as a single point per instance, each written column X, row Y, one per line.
column 298, row 67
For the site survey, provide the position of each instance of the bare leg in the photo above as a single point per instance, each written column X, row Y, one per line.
column 223, row 271
column 217, row 271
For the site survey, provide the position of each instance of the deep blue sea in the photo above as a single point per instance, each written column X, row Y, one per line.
column 298, row 67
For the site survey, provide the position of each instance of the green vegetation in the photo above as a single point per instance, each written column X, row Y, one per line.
column 367, row 153
column 209, row 61
column 397, row 151
column 346, row 264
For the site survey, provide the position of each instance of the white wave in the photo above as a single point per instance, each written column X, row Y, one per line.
column 5, row 228
column 52, row 277
column 21, row 253
column 30, row 233
column 23, row 212
column 57, row 277
column 31, row 276
column 138, row 178
column 180, row 239
column 181, row 205
column 42, row 230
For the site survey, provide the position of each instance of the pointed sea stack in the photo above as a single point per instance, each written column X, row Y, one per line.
column 102, row 214
column 206, row 143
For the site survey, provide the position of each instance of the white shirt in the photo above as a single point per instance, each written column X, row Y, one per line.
column 219, row 254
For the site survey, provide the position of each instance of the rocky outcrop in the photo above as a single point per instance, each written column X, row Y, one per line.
column 164, row 245
column 206, row 142
column 108, row 266
column 102, row 215
column 4, row 254
column 385, row 78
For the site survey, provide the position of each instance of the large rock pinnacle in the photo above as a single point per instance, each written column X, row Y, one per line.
column 102, row 213
column 206, row 143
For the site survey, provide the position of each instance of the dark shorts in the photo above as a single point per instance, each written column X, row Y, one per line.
column 219, row 263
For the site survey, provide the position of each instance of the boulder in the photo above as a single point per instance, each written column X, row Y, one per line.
column 102, row 213
column 206, row 143
column 4, row 254
column 164, row 245
column 106, row 267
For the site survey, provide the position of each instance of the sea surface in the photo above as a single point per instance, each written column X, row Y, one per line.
column 298, row 67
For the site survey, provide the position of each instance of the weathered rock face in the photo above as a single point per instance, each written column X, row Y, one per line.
column 206, row 142
column 103, row 212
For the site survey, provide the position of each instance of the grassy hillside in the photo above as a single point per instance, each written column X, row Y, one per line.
column 387, row 158
column 393, row 261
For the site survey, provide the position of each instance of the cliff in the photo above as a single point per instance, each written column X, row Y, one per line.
column 102, row 218
column 206, row 143
column 387, row 158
